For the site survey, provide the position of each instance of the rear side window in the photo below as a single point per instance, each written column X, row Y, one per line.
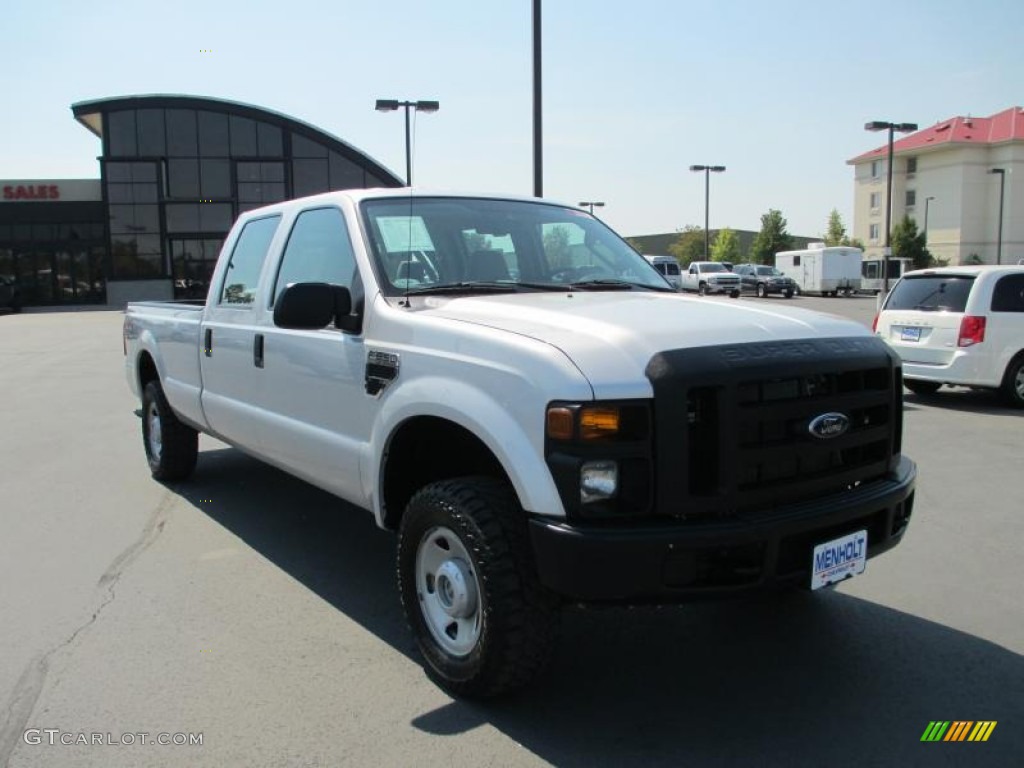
column 243, row 270
column 318, row 251
column 932, row 293
column 1008, row 295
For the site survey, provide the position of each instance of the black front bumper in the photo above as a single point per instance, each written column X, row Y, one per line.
column 713, row 558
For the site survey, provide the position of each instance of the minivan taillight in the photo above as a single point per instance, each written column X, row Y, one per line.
column 972, row 331
column 874, row 324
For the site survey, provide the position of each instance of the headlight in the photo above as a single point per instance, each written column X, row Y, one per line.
column 598, row 480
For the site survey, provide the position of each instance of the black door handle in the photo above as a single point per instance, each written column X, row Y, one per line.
column 208, row 343
column 257, row 350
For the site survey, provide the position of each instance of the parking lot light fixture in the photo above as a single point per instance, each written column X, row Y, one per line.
column 881, row 125
column 999, row 231
column 391, row 105
column 708, row 170
column 591, row 205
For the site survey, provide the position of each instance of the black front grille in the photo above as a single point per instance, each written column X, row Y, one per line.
column 734, row 424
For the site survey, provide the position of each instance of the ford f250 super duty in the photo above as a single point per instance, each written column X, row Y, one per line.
column 542, row 420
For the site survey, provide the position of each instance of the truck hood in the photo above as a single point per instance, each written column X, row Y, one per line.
column 611, row 336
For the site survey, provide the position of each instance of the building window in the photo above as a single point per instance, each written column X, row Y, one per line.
column 911, row 165
column 911, row 198
column 876, row 168
column 875, row 196
column 873, row 232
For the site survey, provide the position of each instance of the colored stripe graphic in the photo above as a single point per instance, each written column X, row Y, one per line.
column 958, row 730
column 935, row 730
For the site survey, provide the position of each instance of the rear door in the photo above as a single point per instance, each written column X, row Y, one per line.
column 921, row 318
column 231, row 390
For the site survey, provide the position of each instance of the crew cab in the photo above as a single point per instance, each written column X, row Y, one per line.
column 706, row 277
column 518, row 394
column 960, row 326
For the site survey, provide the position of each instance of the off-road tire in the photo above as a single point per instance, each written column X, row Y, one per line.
column 920, row 387
column 519, row 620
column 1012, row 389
column 179, row 443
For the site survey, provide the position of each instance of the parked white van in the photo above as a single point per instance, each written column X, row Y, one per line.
column 958, row 325
column 668, row 267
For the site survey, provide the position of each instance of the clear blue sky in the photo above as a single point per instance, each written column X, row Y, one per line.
column 634, row 92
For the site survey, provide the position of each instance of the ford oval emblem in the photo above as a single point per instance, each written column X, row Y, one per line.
column 828, row 425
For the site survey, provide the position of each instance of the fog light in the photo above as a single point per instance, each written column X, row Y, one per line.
column 598, row 480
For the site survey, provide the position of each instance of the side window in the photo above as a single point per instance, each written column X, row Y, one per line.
column 796, row 261
column 243, row 270
column 318, row 251
column 1008, row 295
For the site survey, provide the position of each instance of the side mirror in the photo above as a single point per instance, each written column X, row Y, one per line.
column 312, row 306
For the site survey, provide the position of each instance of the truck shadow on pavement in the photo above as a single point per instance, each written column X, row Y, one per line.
column 797, row 679
column 966, row 400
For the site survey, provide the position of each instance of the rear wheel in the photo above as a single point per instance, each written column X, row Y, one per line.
column 469, row 588
column 171, row 447
column 1013, row 383
column 919, row 387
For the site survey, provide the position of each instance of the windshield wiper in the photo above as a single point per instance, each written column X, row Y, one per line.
column 483, row 286
column 613, row 284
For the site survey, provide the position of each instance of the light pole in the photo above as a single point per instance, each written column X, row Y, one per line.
column 926, row 201
column 999, row 232
column 390, row 105
column 881, row 125
column 707, row 197
column 591, row 206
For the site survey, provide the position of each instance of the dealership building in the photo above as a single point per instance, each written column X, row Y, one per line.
column 175, row 171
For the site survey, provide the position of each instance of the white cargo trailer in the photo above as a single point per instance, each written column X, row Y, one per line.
column 823, row 270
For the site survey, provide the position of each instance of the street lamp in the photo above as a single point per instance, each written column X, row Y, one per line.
column 390, row 105
column 591, row 206
column 999, row 233
column 881, row 125
column 707, row 175
column 926, row 201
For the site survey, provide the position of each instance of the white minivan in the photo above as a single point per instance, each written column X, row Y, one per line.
column 958, row 325
column 668, row 268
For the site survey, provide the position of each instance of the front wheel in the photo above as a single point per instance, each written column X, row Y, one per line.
column 469, row 588
column 789, row 294
column 919, row 387
column 762, row 292
column 702, row 289
column 1013, row 383
column 734, row 294
column 171, row 447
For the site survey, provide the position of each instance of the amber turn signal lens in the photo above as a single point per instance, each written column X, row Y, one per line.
column 598, row 422
column 559, row 423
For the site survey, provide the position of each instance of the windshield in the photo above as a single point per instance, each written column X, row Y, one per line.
column 931, row 293
column 713, row 267
column 769, row 271
column 436, row 245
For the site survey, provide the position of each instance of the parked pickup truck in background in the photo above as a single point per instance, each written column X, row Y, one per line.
column 521, row 397
column 706, row 277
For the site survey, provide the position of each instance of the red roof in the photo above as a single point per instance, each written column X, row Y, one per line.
column 1004, row 126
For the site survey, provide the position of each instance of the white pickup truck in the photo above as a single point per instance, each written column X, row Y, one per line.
column 517, row 393
column 705, row 277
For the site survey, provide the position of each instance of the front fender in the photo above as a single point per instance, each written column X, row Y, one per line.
column 519, row 450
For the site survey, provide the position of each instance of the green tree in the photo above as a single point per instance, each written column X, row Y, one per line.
column 836, row 232
column 726, row 246
column 635, row 245
column 689, row 246
column 772, row 238
column 556, row 247
column 853, row 242
column 908, row 243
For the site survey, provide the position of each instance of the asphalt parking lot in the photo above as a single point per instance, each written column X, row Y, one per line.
column 251, row 608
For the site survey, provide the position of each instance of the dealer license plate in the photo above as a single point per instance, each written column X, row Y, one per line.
column 910, row 334
column 839, row 559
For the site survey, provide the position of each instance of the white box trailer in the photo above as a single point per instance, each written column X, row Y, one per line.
column 827, row 271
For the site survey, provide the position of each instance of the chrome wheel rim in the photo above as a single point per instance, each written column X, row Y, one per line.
column 155, row 436
column 447, row 591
